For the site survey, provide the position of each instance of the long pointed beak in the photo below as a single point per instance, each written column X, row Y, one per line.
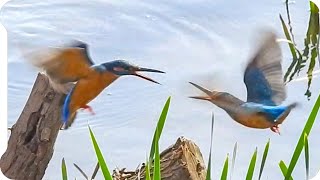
column 146, row 70
column 207, row 98
column 201, row 88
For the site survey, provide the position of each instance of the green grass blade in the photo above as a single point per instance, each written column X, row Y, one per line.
column 208, row 176
column 147, row 170
column 234, row 154
column 264, row 158
column 300, row 144
column 252, row 165
column 306, row 154
column 313, row 7
column 159, row 128
column 64, row 170
column 291, row 47
column 284, row 169
column 80, row 170
column 102, row 163
column 287, row 34
column 224, row 174
column 156, row 169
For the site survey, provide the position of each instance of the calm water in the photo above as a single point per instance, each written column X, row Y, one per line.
column 207, row 42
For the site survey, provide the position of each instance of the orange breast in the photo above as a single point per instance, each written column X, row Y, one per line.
column 253, row 121
column 89, row 88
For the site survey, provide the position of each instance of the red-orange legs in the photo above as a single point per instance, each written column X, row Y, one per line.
column 86, row 107
column 275, row 129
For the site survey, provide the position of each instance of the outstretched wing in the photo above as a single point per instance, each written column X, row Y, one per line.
column 263, row 75
column 64, row 64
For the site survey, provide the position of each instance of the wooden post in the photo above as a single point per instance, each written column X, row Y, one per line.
column 30, row 146
column 181, row 161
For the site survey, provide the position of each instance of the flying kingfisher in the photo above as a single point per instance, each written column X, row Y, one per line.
column 71, row 71
column 265, row 90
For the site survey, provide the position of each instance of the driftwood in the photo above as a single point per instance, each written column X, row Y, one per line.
column 30, row 146
column 181, row 161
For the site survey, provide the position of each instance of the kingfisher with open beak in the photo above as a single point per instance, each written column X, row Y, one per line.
column 265, row 90
column 71, row 71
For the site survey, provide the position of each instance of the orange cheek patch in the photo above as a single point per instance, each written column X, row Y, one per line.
column 118, row 69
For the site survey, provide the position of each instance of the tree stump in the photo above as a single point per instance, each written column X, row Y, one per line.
column 181, row 161
column 30, row 146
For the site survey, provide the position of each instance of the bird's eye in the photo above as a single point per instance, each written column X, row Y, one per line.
column 118, row 69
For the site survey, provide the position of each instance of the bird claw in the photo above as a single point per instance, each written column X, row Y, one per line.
column 275, row 129
column 89, row 108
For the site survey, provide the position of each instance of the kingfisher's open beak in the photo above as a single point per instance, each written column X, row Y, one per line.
column 201, row 97
column 208, row 98
column 137, row 69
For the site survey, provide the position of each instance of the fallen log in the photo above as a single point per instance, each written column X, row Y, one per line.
column 32, row 138
column 181, row 161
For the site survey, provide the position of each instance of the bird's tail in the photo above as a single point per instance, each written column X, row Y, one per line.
column 293, row 105
column 70, row 121
column 64, row 88
column 205, row 97
column 286, row 113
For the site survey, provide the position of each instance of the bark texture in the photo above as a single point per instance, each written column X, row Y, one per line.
column 30, row 146
column 181, row 161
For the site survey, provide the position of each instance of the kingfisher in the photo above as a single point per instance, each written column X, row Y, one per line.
column 72, row 72
column 265, row 90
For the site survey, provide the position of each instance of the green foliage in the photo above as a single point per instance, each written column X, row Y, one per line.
column 64, row 170
column 264, row 158
column 156, row 169
column 147, row 169
column 154, row 151
column 252, row 165
column 102, row 163
column 284, row 169
column 300, row 144
column 208, row 176
column 311, row 47
column 224, row 174
column 159, row 128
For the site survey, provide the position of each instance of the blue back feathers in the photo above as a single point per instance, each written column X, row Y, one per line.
column 273, row 112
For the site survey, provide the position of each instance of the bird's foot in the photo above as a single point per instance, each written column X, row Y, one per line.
column 275, row 129
column 86, row 107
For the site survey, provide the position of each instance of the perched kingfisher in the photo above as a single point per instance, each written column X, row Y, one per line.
column 71, row 71
column 265, row 90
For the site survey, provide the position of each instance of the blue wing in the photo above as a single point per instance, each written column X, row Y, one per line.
column 263, row 75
